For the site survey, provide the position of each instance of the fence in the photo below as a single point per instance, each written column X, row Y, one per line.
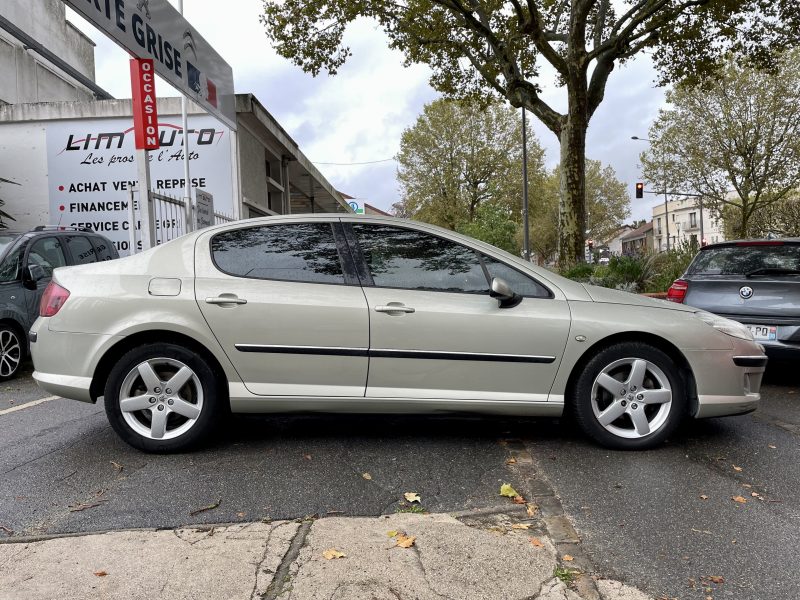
column 168, row 215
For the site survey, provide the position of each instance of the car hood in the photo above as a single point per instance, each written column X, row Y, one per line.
column 609, row 296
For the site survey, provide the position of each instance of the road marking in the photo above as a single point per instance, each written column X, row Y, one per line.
column 5, row 411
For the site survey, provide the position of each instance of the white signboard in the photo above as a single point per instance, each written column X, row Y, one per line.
column 155, row 29
column 91, row 169
column 204, row 204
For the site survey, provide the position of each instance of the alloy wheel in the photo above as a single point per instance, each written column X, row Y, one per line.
column 10, row 352
column 161, row 398
column 631, row 398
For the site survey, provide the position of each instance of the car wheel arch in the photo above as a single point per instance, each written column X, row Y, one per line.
column 20, row 331
column 115, row 352
column 641, row 337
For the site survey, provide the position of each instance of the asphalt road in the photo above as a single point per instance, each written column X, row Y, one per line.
column 641, row 515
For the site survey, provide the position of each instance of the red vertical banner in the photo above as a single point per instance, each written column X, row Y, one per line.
column 145, row 112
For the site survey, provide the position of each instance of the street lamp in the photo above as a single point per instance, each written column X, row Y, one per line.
column 666, row 209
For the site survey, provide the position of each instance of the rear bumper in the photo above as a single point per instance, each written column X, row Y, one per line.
column 66, row 386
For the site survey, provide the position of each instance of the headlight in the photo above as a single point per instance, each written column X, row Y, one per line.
column 726, row 326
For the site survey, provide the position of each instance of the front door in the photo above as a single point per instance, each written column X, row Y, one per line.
column 286, row 308
column 436, row 333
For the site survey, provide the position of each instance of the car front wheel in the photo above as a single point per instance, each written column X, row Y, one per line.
column 630, row 396
column 11, row 352
column 162, row 398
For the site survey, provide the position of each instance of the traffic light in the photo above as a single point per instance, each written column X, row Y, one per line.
column 639, row 189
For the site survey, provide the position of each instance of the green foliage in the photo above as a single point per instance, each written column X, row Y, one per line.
column 638, row 273
column 494, row 225
column 736, row 141
column 458, row 157
column 513, row 50
column 565, row 575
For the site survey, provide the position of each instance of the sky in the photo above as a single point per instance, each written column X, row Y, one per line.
column 359, row 114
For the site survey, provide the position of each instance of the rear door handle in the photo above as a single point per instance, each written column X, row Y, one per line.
column 394, row 308
column 224, row 299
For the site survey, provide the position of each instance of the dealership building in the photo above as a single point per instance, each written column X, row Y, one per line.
column 68, row 148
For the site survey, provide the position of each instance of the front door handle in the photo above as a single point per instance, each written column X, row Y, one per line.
column 224, row 299
column 394, row 308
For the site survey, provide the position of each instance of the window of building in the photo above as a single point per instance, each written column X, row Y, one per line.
column 692, row 219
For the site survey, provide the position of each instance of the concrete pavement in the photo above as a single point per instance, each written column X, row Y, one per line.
column 484, row 555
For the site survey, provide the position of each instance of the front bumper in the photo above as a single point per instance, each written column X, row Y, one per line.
column 727, row 382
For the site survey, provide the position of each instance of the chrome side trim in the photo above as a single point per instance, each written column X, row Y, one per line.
column 388, row 353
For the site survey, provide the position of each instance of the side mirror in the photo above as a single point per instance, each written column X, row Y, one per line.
column 506, row 297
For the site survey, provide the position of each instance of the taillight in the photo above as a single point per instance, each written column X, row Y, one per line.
column 53, row 299
column 677, row 291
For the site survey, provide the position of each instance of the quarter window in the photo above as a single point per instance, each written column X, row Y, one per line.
column 48, row 254
column 105, row 250
column 81, row 249
column 304, row 252
column 409, row 259
column 520, row 283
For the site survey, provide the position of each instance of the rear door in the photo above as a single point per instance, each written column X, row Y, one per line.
column 48, row 253
column 436, row 333
column 285, row 304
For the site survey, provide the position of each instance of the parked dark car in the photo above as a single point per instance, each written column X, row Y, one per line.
column 755, row 282
column 27, row 261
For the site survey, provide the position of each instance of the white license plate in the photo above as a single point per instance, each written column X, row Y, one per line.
column 763, row 332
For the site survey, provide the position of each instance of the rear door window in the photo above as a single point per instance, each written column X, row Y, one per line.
column 104, row 249
column 303, row 252
column 741, row 260
column 81, row 249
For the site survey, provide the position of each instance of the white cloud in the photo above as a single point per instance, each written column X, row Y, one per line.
column 359, row 114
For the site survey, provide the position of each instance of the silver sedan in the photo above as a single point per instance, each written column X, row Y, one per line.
column 362, row 314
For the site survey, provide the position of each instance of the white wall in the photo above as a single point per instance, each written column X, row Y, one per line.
column 23, row 159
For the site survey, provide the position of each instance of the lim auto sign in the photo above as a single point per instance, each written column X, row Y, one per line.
column 145, row 114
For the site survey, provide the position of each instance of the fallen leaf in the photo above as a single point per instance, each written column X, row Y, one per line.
column 532, row 509
column 771, row 446
column 746, row 485
column 332, row 553
column 716, row 579
column 307, row 456
column 703, row 497
column 518, row 500
column 791, row 392
column 392, row 533
column 701, row 531
column 117, row 466
column 205, row 508
column 84, row 506
column 240, row 514
column 100, row 573
column 412, row 497
column 405, row 541
column 520, row 526
column 737, row 469
column 508, row 491
column 537, row 542
column 511, row 461
column 367, row 476
column 568, row 557
column 6, row 530
column 738, row 499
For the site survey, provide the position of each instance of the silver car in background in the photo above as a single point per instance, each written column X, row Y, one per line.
column 338, row 313
column 754, row 282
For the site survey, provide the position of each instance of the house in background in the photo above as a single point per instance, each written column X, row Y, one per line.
column 682, row 218
column 638, row 241
column 614, row 242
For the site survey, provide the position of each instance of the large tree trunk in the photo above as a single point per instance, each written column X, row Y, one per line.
column 572, row 201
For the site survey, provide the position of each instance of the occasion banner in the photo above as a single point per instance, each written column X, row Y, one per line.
column 91, row 167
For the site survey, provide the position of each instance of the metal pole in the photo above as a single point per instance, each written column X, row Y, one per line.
column 145, row 211
column 188, row 187
column 702, row 235
column 526, row 244
column 666, row 209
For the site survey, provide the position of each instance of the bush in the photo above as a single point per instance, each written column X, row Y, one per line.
column 579, row 272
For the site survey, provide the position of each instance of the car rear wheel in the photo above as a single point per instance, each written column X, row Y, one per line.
column 630, row 396
column 11, row 352
column 163, row 398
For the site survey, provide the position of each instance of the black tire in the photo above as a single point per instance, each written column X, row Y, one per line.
column 212, row 411
column 583, row 409
column 13, row 350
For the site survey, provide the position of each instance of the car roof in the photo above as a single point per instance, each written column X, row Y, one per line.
column 754, row 242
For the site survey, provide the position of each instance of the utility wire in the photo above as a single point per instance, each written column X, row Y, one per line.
column 369, row 162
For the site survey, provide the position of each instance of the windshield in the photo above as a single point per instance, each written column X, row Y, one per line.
column 5, row 241
column 741, row 260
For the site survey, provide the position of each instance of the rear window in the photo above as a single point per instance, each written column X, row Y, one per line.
column 740, row 260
